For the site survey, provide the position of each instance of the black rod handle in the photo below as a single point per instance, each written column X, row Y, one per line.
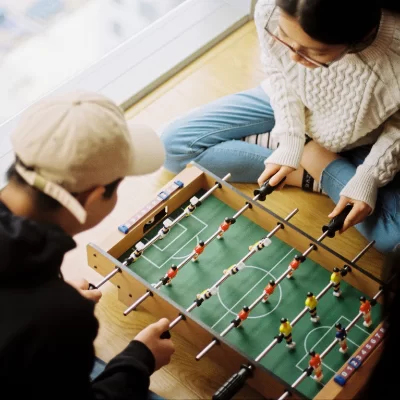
column 266, row 189
column 165, row 335
column 233, row 385
column 336, row 223
column 91, row 286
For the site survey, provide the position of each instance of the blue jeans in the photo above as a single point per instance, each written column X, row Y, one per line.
column 211, row 136
column 98, row 368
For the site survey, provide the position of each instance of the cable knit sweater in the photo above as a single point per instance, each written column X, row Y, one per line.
column 355, row 101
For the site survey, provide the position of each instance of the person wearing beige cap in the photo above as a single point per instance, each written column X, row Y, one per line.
column 71, row 153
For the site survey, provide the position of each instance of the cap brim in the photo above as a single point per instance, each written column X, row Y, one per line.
column 148, row 150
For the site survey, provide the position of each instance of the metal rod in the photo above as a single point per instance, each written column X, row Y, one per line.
column 212, row 237
column 242, row 210
column 256, row 302
column 363, row 251
column 181, row 317
column 220, row 281
column 216, row 186
column 108, row 277
column 139, row 301
column 158, row 285
column 176, row 321
column 206, row 349
column 323, row 236
column 308, row 251
column 186, row 260
column 267, row 350
column 179, row 218
column 151, row 242
column 282, row 277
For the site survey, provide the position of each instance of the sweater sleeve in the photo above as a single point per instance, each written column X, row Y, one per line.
column 289, row 111
column 379, row 167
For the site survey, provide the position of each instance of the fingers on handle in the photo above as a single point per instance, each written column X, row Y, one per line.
column 94, row 295
column 162, row 325
column 356, row 215
column 339, row 207
column 270, row 169
column 351, row 219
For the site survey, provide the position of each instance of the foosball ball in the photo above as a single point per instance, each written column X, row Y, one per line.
column 274, row 307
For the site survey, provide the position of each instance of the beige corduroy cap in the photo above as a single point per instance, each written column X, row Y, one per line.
column 73, row 142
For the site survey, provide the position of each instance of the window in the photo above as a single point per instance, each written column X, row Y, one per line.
column 122, row 48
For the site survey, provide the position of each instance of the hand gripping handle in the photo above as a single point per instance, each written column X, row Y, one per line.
column 165, row 335
column 266, row 189
column 336, row 223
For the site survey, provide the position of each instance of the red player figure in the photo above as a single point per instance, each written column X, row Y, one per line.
column 225, row 226
column 198, row 250
column 297, row 260
column 341, row 335
column 243, row 314
column 316, row 364
column 269, row 289
column 171, row 274
column 365, row 308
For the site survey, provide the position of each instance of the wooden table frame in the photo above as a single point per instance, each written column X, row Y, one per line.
column 104, row 259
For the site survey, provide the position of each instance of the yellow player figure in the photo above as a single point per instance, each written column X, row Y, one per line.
column 286, row 330
column 336, row 277
column 311, row 302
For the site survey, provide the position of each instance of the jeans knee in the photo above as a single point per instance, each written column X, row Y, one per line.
column 388, row 243
column 176, row 145
column 386, row 235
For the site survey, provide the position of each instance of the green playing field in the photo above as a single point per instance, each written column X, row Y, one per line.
column 241, row 289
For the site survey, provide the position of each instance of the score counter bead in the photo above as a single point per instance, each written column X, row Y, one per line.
column 362, row 354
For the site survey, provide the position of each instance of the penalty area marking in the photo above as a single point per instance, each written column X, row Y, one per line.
column 181, row 248
column 328, row 328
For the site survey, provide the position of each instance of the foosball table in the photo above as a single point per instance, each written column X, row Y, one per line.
column 274, row 307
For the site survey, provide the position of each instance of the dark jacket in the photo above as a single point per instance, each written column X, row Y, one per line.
column 47, row 328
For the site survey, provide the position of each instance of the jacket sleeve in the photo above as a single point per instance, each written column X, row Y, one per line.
column 379, row 167
column 71, row 341
column 126, row 376
column 289, row 111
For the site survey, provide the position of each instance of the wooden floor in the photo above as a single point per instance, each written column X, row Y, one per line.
column 232, row 66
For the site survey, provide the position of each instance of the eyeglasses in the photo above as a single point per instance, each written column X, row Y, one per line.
column 299, row 53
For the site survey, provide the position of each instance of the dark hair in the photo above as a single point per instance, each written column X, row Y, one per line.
column 337, row 22
column 45, row 202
